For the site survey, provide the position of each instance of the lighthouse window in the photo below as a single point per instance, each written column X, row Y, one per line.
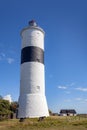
column 38, row 88
column 38, row 33
column 38, row 60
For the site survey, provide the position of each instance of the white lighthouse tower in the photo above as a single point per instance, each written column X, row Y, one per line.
column 32, row 100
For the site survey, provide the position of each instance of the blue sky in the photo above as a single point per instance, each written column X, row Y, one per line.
column 65, row 26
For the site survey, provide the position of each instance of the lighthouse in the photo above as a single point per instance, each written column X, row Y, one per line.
column 32, row 99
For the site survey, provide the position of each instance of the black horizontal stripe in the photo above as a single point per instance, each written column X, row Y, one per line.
column 32, row 53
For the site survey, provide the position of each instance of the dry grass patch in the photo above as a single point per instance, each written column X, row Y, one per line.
column 50, row 123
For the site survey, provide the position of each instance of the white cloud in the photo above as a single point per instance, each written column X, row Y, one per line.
column 67, row 100
column 66, row 86
column 78, row 99
column 82, row 89
column 70, row 85
column 2, row 56
column 10, row 60
column 8, row 97
column 81, row 100
column 62, row 87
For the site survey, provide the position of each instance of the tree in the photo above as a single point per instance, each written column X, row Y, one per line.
column 4, row 106
column 14, row 106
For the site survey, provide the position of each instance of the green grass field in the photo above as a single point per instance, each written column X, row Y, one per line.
column 50, row 123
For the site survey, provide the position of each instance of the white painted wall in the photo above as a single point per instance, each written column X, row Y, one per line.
column 32, row 77
column 32, row 37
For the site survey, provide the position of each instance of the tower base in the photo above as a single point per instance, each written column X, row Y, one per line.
column 32, row 105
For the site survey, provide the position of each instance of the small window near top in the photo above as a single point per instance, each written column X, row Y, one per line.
column 38, row 60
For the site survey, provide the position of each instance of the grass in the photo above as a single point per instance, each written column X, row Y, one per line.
column 50, row 123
